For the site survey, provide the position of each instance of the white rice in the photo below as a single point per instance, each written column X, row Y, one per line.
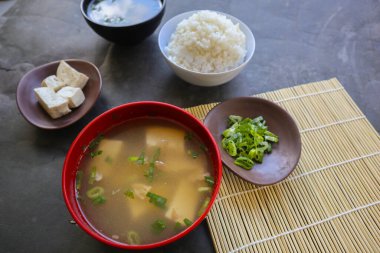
column 207, row 42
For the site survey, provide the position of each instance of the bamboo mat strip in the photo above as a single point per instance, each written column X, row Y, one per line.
column 330, row 203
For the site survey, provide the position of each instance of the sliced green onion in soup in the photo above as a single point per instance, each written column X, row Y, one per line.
column 209, row 180
column 129, row 193
column 92, row 177
column 78, row 179
column 156, row 199
column 133, row 238
column 149, row 173
column 99, row 200
column 158, row 226
column 95, row 192
column 187, row 222
column 178, row 226
column 204, row 206
column 204, row 189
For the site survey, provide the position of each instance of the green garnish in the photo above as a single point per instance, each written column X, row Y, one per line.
column 189, row 136
column 187, row 222
column 138, row 159
column 203, row 147
column 193, row 154
column 96, row 194
column 178, row 225
column 129, row 193
column 156, row 199
column 149, row 173
column 244, row 162
column 92, row 177
column 133, row 238
column 247, row 140
column 95, row 153
column 210, row 180
column 158, row 226
column 232, row 119
column 204, row 206
column 133, row 158
column 99, row 200
column 78, row 179
column 94, row 144
column 204, row 189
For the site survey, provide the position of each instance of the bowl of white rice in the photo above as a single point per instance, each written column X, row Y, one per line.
column 206, row 48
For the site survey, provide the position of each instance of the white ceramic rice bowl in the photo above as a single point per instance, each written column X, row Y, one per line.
column 198, row 78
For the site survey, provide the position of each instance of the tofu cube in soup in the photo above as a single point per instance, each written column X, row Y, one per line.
column 181, row 207
column 137, row 208
column 107, row 152
column 171, row 143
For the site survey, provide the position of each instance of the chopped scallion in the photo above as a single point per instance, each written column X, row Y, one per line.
column 133, row 158
column 129, row 193
column 78, row 179
column 210, row 180
column 92, row 177
column 95, row 153
column 178, row 225
column 187, row 222
column 156, row 199
column 158, row 226
column 94, row 144
column 149, row 173
column 138, row 159
column 204, row 189
column 244, row 162
column 189, row 136
column 96, row 194
column 193, row 154
column 133, row 238
column 99, row 200
column 247, row 140
column 204, row 206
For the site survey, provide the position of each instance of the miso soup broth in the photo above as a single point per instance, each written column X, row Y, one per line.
column 123, row 12
column 144, row 181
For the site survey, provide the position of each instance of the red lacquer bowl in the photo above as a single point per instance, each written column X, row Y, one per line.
column 114, row 117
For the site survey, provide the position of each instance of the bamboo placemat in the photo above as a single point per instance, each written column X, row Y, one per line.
column 330, row 203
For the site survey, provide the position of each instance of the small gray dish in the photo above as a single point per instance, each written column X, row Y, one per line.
column 285, row 155
column 35, row 114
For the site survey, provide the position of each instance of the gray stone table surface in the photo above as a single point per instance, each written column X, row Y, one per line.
column 297, row 42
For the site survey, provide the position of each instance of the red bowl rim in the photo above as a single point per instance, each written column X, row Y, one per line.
column 111, row 242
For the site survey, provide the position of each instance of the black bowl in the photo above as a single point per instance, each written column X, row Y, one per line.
column 128, row 34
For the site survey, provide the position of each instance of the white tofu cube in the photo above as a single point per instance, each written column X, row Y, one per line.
column 53, row 104
column 167, row 138
column 183, row 204
column 53, row 82
column 71, row 76
column 137, row 208
column 111, row 152
column 172, row 146
column 74, row 95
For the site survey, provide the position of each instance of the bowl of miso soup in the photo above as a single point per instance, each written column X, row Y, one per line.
column 141, row 175
column 123, row 21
